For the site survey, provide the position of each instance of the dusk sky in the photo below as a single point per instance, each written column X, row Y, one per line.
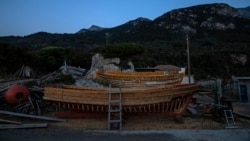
column 24, row 17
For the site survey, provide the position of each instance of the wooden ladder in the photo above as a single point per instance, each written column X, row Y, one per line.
column 230, row 119
column 115, row 109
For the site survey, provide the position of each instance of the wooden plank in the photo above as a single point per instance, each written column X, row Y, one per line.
column 10, row 121
column 30, row 116
column 14, row 126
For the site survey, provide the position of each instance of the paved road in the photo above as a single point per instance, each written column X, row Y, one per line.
column 152, row 135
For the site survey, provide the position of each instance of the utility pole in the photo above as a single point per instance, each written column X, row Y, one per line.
column 188, row 59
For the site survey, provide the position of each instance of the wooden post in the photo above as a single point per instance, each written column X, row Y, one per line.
column 188, row 59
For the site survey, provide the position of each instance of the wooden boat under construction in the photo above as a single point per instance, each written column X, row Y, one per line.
column 171, row 100
column 139, row 79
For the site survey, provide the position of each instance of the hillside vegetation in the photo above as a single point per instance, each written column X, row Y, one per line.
column 215, row 61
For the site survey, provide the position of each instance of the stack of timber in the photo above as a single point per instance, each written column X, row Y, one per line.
column 139, row 79
column 168, row 99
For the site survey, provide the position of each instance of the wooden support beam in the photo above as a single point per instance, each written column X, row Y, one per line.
column 30, row 116
column 15, row 126
column 9, row 121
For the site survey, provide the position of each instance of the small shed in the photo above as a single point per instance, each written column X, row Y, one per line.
column 242, row 87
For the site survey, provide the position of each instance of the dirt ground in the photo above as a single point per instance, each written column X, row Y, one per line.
column 134, row 129
column 138, row 123
column 151, row 123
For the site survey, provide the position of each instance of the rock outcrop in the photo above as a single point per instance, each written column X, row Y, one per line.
column 100, row 63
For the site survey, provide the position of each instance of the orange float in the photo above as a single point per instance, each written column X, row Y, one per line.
column 16, row 95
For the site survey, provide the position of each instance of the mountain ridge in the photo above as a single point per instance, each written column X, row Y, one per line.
column 198, row 19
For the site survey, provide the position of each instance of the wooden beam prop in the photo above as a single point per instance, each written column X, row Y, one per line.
column 30, row 116
column 14, row 126
column 10, row 121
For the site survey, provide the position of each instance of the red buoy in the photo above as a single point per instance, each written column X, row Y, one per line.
column 16, row 95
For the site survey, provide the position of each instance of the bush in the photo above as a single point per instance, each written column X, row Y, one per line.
column 123, row 50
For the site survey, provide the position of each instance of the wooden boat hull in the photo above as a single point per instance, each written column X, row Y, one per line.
column 139, row 79
column 170, row 100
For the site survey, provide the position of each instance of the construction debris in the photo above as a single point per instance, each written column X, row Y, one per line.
column 15, row 103
column 74, row 71
column 24, row 72
column 31, row 116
